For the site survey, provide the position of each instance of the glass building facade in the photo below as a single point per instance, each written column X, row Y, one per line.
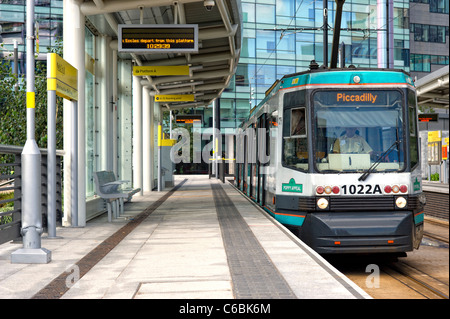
column 49, row 21
column 283, row 36
column 429, row 30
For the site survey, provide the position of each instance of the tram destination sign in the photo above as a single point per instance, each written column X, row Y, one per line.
column 158, row 38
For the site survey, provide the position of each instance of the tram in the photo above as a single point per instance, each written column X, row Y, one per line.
column 333, row 155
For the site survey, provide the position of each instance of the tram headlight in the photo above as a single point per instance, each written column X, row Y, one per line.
column 322, row 203
column 400, row 202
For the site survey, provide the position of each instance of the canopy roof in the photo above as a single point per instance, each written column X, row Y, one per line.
column 219, row 44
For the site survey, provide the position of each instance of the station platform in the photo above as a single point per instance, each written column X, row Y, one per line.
column 435, row 187
column 199, row 240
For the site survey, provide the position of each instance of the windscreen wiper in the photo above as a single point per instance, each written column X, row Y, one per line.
column 375, row 164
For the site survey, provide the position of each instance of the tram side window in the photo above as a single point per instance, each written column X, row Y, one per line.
column 295, row 147
column 272, row 138
column 413, row 141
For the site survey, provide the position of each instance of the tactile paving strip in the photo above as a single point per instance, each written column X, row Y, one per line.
column 58, row 287
column 253, row 274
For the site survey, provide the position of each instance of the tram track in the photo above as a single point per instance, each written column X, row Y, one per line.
column 436, row 237
column 439, row 231
column 423, row 274
column 422, row 283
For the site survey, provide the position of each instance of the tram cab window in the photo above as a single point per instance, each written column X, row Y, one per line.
column 295, row 146
column 413, row 140
column 356, row 128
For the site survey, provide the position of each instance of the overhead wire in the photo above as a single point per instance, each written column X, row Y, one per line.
column 275, row 48
column 365, row 37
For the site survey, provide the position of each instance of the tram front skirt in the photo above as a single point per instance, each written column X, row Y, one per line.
column 359, row 232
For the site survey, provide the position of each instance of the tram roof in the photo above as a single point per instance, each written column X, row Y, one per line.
column 335, row 76
column 346, row 76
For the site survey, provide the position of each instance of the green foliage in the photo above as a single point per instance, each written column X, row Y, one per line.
column 5, row 196
column 13, row 112
column 435, row 177
column 6, row 207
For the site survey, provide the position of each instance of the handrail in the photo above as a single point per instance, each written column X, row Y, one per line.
column 10, row 218
column 14, row 149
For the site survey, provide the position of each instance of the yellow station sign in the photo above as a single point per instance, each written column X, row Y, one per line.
column 174, row 98
column 62, row 77
column 161, row 70
column 434, row 136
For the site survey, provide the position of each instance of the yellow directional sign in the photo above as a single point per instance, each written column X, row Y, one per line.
column 62, row 77
column 161, row 70
column 174, row 98
column 434, row 136
column 162, row 141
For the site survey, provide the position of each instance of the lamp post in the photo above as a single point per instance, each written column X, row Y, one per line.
column 31, row 252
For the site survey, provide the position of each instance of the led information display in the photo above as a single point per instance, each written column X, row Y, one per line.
column 188, row 119
column 158, row 38
column 433, row 117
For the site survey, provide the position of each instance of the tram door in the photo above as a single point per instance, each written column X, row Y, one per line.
column 253, row 162
column 261, row 138
column 245, row 167
column 237, row 168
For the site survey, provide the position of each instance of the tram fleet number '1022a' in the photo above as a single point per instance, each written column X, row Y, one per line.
column 361, row 189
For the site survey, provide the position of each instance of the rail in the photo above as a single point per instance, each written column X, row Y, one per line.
column 11, row 190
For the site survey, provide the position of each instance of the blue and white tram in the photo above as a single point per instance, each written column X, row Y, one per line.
column 333, row 155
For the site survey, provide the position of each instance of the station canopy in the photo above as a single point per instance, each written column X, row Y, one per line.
column 210, row 68
column 432, row 89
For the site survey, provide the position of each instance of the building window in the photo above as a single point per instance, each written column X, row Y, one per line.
column 423, row 62
column 429, row 33
column 439, row 6
column 265, row 13
column 436, row 6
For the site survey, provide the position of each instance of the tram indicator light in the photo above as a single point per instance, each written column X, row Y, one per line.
column 158, row 38
column 319, row 190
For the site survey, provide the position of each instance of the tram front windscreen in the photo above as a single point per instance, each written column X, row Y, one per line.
column 354, row 128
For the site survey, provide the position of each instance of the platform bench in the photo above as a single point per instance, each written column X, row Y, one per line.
column 109, row 189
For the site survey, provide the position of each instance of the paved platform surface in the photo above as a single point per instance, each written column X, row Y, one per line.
column 200, row 240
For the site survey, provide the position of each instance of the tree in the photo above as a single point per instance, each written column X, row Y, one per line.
column 13, row 122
